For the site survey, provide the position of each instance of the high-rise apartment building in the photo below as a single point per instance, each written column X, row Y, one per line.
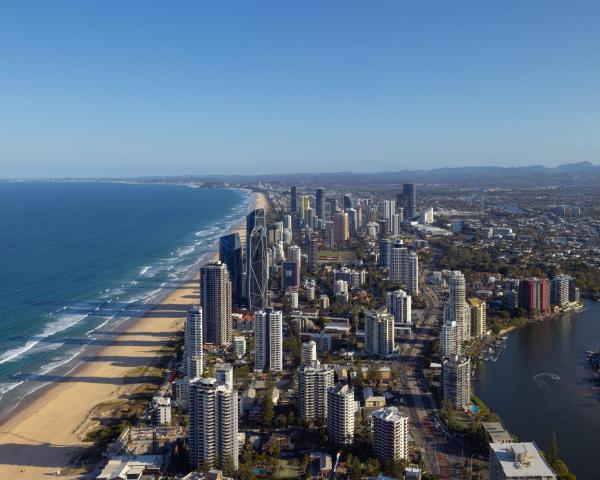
column 231, row 254
column 268, row 341
column 399, row 263
column 399, row 304
column 559, row 289
column 412, row 279
column 352, row 221
column 295, row 253
column 379, row 333
column 449, row 339
column 215, row 295
column 409, row 196
column 320, row 204
column 224, row 374
column 389, row 428
column 385, row 253
column 213, row 428
column 308, row 355
column 456, row 381
column 389, row 210
column 348, row 203
column 456, row 308
column 193, row 361
column 534, row 295
column 293, row 201
column 341, row 227
column 256, row 260
column 478, row 317
column 290, row 274
column 312, row 265
column 314, row 382
column 340, row 415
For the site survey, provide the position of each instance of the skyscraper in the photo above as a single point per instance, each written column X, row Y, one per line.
column 312, row 265
column 215, row 294
column 320, row 204
column 341, row 227
column 385, row 252
column 399, row 304
column 290, row 274
column 478, row 316
column 348, row 203
column 293, row 201
column 224, row 374
column 389, row 427
column 456, row 309
column 379, row 333
column 399, row 263
column 410, row 200
column 559, row 289
column 456, row 381
column 268, row 341
column 309, row 353
column 389, row 209
column 314, row 382
column 340, row 415
column 534, row 295
column 330, row 207
column 193, row 365
column 256, row 260
column 213, row 430
column 231, row 254
column 412, row 281
column 449, row 339
column 352, row 220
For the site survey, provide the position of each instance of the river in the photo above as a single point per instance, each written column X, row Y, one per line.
column 542, row 383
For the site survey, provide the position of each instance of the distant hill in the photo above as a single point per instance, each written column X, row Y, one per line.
column 582, row 173
column 572, row 174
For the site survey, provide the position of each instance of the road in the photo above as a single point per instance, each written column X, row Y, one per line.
column 426, row 428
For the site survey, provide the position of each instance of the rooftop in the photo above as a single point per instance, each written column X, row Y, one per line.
column 521, row 460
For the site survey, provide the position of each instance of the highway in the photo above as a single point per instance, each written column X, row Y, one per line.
column 425, row 426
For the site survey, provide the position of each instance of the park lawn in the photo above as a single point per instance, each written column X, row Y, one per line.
column 287, row 469
column 345, row 255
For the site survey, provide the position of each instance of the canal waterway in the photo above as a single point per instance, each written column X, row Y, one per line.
column 542, row 383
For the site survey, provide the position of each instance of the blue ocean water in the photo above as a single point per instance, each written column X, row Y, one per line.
column 79, row 258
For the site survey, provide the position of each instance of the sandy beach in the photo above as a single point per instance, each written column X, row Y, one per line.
column 45, row 434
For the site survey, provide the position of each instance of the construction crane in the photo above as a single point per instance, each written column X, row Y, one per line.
column 337, row 462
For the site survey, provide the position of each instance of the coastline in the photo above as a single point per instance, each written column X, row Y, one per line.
column 44, row 433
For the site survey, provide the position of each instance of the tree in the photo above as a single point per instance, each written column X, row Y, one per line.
column 293, row 344
column 353, row 467
column 281, row 421
column 373, row 373
column 268, row 411
column 247, row 454
column 553, row 451
column 372, row 467
column 291, row 418
column 227, row 466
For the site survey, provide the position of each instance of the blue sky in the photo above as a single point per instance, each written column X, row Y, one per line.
column 127, row 88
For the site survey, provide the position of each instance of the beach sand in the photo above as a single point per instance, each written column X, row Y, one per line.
column 44, row 435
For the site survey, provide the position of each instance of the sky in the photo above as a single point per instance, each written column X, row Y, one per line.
column 127, row 88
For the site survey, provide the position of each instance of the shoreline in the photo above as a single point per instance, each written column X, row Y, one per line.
column 576, row 311
column 43, row 433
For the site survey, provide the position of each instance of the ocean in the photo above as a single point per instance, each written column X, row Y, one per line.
column 79, row 258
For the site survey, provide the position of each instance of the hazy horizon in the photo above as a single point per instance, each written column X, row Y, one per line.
column 116, row 89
